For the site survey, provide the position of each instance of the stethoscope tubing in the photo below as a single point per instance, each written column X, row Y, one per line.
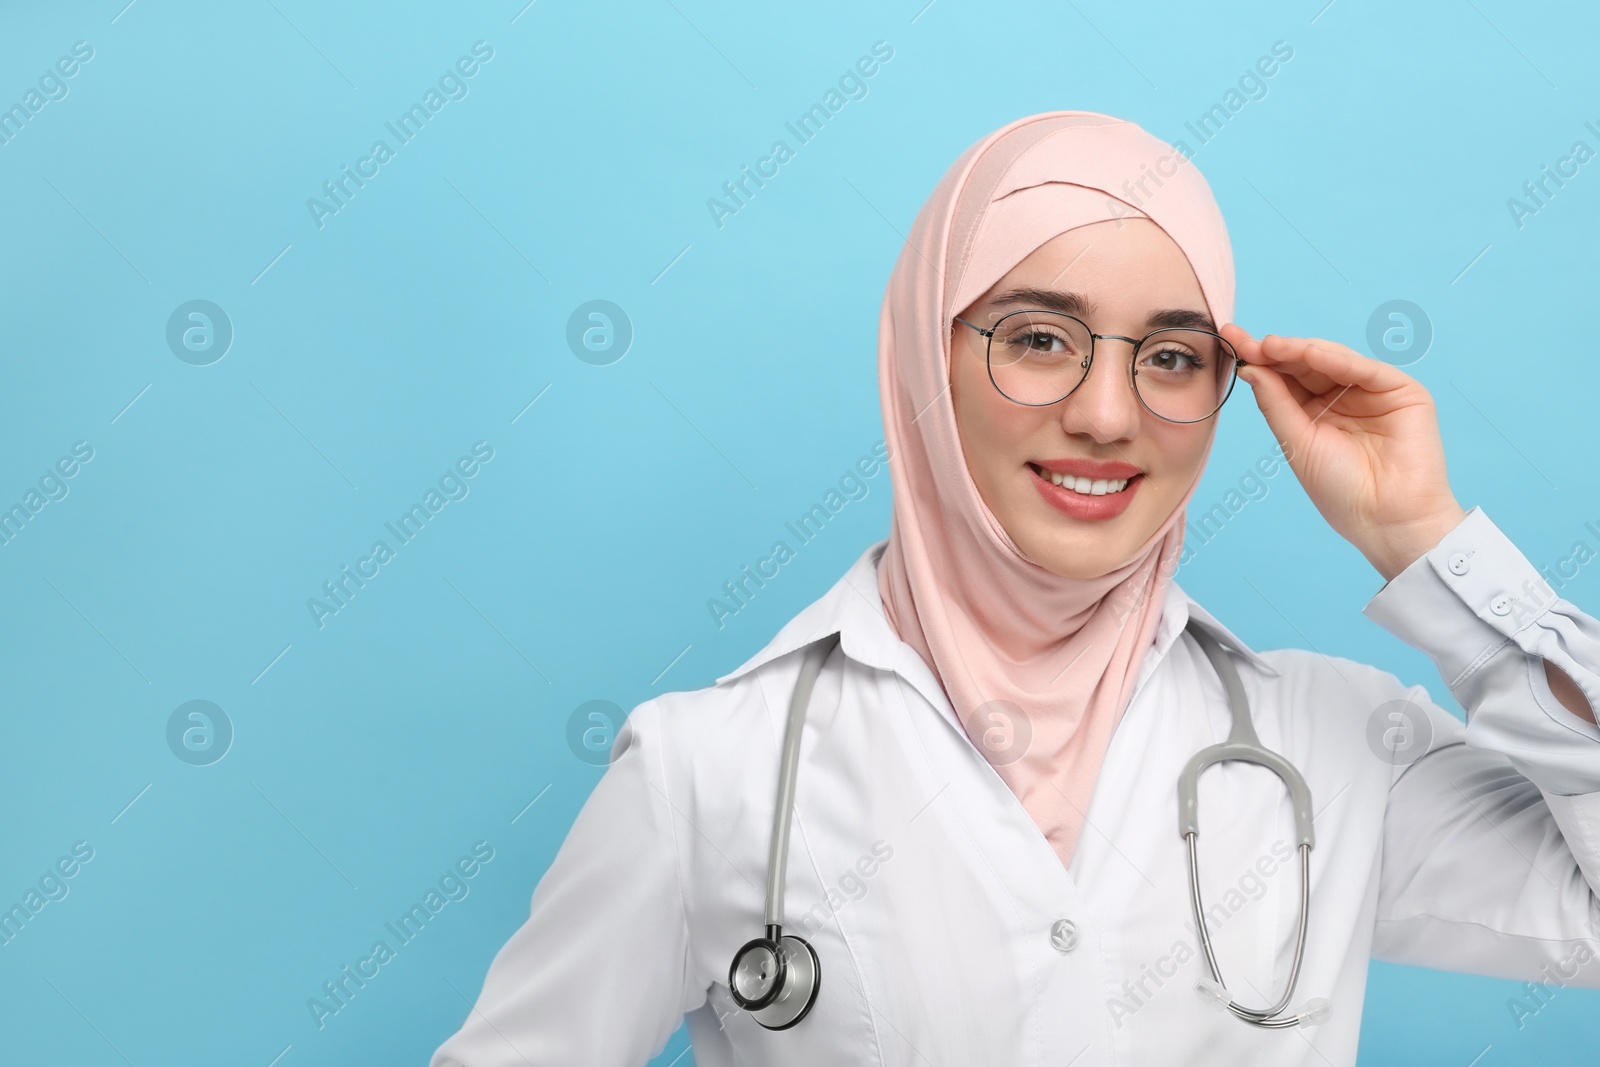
column 782, row 816
column 1241, row 744
column 1258, row 1016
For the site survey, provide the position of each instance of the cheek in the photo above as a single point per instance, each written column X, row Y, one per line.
column 993, row 430
column 1181, row 455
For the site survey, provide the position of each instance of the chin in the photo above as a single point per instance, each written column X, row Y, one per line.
column 1083, row 570
column 1064, row 556
column 1081, row 550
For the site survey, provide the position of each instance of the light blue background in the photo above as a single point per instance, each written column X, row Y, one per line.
column 427, row 314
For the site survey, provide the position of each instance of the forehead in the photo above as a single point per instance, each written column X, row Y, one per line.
column 1123, row 270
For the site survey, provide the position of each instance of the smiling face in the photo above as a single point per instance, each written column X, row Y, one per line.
column 1122, row 277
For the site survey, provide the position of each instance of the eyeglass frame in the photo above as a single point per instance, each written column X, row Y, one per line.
column 1088, row 365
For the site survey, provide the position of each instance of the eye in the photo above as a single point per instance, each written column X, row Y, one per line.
column 1171, row 359
column 1041, row 341
column 1037, row 340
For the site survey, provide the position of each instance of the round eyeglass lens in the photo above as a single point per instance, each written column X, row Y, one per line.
column 1038, row 357
column 1184, row 375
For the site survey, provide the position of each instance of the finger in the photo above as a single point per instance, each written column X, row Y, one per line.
column 1233, row 331
column 1287, row 350
column 1298, row 390
column 1322, row 366
column 1288, row 356
column 1347, row 399
column 1344, row 365
column 1302, row 381
column 1248, row 348
column 1283, row 412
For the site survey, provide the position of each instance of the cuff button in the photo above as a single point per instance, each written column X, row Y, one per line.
column 1500, row 605
column 1458, row 563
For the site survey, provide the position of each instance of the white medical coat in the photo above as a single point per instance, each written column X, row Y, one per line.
column 950, row 933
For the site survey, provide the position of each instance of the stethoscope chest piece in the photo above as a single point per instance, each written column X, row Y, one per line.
column 776, row 977
column 776, row 981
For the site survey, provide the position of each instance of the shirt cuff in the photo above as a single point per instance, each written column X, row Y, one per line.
column 1488, row 619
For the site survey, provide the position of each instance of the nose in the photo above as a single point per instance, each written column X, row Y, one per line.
column 1104, row 405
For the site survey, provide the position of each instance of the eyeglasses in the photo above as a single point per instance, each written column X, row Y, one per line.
column 1179, row 374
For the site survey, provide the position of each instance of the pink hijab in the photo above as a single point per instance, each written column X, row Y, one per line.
column 1038, row 667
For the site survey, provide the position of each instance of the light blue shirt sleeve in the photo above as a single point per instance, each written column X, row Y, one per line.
column 1487, row 618
column 1491, row 847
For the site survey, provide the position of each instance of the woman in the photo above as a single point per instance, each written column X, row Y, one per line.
column 984, row 854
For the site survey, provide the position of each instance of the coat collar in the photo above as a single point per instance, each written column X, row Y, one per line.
column 853, row 609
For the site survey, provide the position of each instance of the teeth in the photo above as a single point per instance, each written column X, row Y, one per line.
column 1095, row 487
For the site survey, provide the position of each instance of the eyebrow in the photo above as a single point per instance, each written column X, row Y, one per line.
column 1079, row 306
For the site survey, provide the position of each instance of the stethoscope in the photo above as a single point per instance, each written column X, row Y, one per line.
column 776, row 977
column 1242, row 744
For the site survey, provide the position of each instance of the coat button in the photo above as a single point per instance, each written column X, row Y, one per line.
column 1458, row 563
column 1064, row 935
column 1500, row 605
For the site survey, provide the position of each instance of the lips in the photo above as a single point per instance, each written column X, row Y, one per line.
column 1083, row 484
column 1084, row 506
column 1089, row 468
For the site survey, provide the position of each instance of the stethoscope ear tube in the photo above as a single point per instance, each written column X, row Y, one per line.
column 1316, row 1011
column 1243, row 745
